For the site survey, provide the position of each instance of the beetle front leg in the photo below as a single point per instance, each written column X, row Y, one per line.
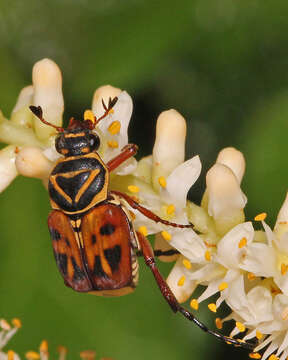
column 127, row 152
column 171, row 299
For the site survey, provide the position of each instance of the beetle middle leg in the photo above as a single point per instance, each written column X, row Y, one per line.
column 127, row 152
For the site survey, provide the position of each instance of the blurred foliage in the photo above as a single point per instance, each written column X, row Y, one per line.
column 221, row 63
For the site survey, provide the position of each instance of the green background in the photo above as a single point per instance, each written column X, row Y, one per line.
column 222, row 64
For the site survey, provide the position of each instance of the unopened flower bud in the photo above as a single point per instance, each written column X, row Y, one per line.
column 103, row 93
column 234, row 159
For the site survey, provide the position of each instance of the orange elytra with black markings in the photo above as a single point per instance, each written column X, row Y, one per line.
column 94, row 241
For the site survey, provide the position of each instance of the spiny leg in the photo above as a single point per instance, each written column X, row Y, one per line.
column 127, row 152
column 149, row 214
column 171, row 299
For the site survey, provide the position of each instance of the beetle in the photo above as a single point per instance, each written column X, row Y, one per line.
column 94, row 241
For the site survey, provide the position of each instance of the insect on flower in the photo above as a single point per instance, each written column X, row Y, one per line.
column 94, row 241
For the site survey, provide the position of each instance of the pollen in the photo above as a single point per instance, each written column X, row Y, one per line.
column 212, row 307
column 242, row 243
column 273, row 357
column 187, row 264
column 181, row 281
column 255, row 355
column 10, row 355
column 166, row 235
column 114, row 127
column 251, row 276
column 207, row 255
column 259, row 335
column 223, row 286
column 111, row 111
column 260, row 217
column 218, row 323
column 143, row 230
column 284, row 268
column 32, row 355
column 133, row 189
column 17, row 323
column 113, row 144
column 170, row 209
column 284, row 314
column 194, row 304
column 5, row 325
column 162, row 181
column 241, row 327
column 44, row 346
column 88, row 115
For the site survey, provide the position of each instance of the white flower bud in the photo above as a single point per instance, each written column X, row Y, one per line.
column 234, row 159
column 8, row 170
column 103, row 92
column 169, row 147
column 21, row 114
column 47, row 82
column 225, row 198
column 31, row 162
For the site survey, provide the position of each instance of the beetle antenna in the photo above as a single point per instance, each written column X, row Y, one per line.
column 37, row 111
column 108, row 109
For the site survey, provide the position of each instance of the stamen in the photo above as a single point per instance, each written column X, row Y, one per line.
column 284, row 268
column 166, row 235
column 207, row 255
column 187, row 264
column 194, row 304
column 273, row 357
column 241, row 327
column 181, row 281
column 255, row 355
column 88, row 355
column 32, row 355
column 284, row 314
column 143, row 230
column 44, row 346
column 259, row 335
column 218, row 323
column 251, row 276
column 114, row 127
column 5, row 325
column 223, row 286
column 88, row 115
column 17, row 323
column 111, row 111
column 133, row 188
column 10, row 355
column 212, row 307
column 242, row 242
column 170, row 209
column 260, row 217
column 113, row 144
column 162, row 181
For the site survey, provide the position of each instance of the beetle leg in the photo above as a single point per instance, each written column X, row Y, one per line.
column 128, row 151
column 149, row 214
column 171, row 299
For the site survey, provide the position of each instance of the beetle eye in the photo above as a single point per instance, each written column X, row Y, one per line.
column 94, row 142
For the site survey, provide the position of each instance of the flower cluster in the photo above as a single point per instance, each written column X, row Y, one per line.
column 247, row 268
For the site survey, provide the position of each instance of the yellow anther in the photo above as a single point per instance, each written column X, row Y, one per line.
column 162, row 181
column 113, row 144
column 111, row 111
column 242, row 243
column 170, row 209
column 133, row 188
column 284, row 314
column 143, row 230
column 223, row 286
column 194, row 304
column 5, row 325
column 251, row 276
column 187, row 264
column 259, row 335
column 207, row 255
column 181, row 281
column 273, row 357
column 241, row 327
column 260, row 217
column 166, row 235
column 218, row 323
column 62, row 349
column 88, row 355
column 16, row 323
column 44, row 346
column 32, row 355
column 114, row 127
column 212, row 307
column 10, row 355
column 88, row 115
column 255, row 355
column 284, row 268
